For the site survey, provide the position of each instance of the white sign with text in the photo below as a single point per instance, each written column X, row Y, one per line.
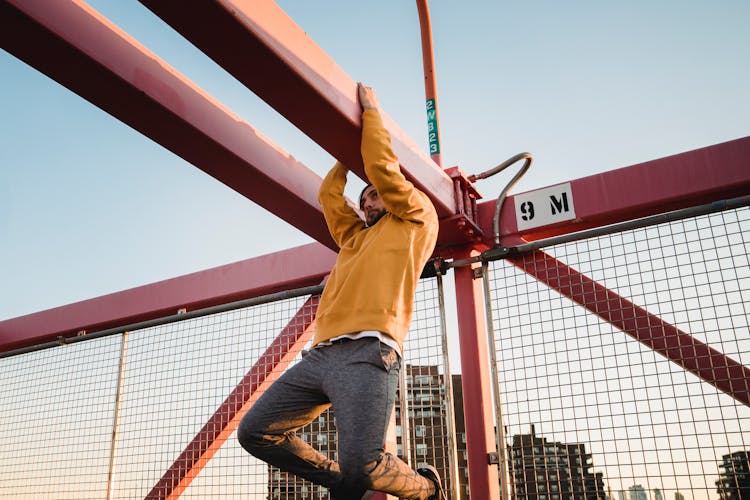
column 544, row 206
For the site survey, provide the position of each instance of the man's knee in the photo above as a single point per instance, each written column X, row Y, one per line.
column 251, row 436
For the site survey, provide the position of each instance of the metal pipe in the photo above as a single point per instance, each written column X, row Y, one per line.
column 116, row 418
column 504, row 193
column 403, row 401
column 430, row 82
column 450, row 413
column 254, row 301
column 499, row 421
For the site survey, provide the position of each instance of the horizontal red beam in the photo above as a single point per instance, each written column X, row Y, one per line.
column 297, row 267
column 261, row 46
column 713, row 173
column 710, row 365
column 73, row 44
column 226, row 418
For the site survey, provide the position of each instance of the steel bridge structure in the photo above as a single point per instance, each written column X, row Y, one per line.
column 74, row 45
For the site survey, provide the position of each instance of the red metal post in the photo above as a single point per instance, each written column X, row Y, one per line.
column 680, row 347
column 225, row 420
column 430, row 82
column 477, row 386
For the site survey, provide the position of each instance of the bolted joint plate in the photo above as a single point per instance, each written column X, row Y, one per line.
column 462, row 227
column 465, row 195
column 458, row 230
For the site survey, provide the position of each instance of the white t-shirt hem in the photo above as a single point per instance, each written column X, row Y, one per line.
column 382, row 337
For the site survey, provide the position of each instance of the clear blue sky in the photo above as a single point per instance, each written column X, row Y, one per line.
column 89, row 207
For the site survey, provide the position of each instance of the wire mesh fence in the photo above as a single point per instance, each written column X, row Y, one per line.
column 151, row 412
column 56, row 417
column 588, row 410
column 591, row 412
column 427, row 388
column 73, row 425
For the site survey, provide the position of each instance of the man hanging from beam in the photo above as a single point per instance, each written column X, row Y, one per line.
column 362, row 320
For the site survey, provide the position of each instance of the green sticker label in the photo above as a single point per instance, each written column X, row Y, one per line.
column 432, row 127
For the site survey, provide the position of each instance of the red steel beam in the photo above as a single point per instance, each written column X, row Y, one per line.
column 293, row 268
column 710, row 365
column 712, row 173
column 226, row 418
column 73, row 44
column 260, row 45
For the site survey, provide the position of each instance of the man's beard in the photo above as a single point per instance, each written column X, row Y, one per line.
column 375, row 218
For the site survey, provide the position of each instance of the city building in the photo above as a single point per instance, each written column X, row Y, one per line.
column 321, row 434
column 734, row 476
column 544, row 470
column 637, row 492
column 463, row 462
column 428, row 425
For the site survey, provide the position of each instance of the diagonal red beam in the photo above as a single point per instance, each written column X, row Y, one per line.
column 293, row 268
column 710, row 365
column 73, row 44
column 688, row 179
column 226, row 418
column 260, row 45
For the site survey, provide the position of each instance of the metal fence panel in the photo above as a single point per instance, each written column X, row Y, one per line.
column 56, row 416
column 59, row 416
column 590, row 412
column 177, row 376
column 74, row 425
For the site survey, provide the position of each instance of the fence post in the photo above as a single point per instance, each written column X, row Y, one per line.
column 502, row 451
column 450, row 405
column 477, row 390
column 116, row 418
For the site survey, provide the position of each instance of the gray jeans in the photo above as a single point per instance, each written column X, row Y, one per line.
column 359, row 378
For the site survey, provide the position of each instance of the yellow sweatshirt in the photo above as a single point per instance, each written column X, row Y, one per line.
column 373, row 283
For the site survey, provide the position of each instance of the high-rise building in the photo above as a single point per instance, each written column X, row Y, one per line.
column 678, row 496
column 321, row 434
column 544, row 470
column 427, row 422
column 637, row 492
column 657, row 494
column 463, row 462
column 734, row 476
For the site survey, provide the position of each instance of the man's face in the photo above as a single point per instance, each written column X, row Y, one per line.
column 372, row 205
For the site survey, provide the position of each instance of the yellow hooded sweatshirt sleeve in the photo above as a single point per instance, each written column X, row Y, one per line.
column 373, row 283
